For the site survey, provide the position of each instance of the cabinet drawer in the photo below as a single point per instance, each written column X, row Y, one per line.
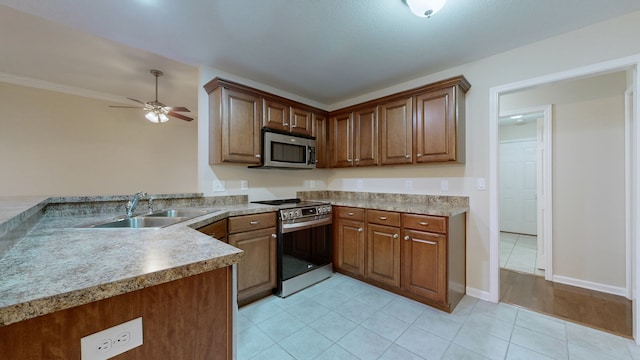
column 217, row 230
column 251, row 222
column 351, row 213
column 383, row 217
column 425, row 223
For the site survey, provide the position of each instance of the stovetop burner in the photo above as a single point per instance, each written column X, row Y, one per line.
column 277, row 202
column 290, row 203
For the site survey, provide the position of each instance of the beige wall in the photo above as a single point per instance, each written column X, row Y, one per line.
column 588, row 175
column 615, row 38
column 57, row 144
column 526, row 130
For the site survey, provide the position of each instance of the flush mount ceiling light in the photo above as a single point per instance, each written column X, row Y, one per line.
column 425, row 8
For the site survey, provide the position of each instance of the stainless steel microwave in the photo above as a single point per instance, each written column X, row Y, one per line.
column 287, row 151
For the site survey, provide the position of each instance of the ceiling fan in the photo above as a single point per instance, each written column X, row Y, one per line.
column 157, row 112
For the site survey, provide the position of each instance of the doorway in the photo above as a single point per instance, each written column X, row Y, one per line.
column 628, row 174
column 522, row 147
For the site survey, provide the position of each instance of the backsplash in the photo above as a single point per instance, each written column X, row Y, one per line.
column 431, row 200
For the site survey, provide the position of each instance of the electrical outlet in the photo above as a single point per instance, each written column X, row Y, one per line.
column 110, row 342
column 444, row 185
column 408, row 184
column 244, row 185
column 312, row 184
column 359, row 184
column 218, row 185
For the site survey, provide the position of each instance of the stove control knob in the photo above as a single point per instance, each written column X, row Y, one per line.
column 298, row 213
column 291, row 214
column 284, row 215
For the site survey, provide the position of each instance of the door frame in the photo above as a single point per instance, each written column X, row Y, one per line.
column 544, row 177
column 632, row 174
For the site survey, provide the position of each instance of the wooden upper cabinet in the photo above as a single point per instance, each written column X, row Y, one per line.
column 354, row 138
column 234, row 126
column 275, row 115
column 438, row 134
column 237, row 114
column 300, row 121
column 320, row 129
column 365, row 130
column 341, row 137
column 396, row 132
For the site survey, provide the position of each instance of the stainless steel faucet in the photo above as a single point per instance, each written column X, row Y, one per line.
column 133, row 203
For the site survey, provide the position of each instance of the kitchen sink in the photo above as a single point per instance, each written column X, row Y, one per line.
column 180, row 213
column 140, row 222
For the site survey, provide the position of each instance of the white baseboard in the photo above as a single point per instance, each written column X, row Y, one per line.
column 477, row 293
column 614, row 290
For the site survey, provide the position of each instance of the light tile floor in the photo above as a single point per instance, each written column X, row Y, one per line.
column 342, row 318
column 519, row 252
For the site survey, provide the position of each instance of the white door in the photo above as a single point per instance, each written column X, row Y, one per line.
column 518, row 200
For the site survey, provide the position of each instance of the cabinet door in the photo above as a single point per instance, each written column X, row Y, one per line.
column 275, row 115
column 396, row 132
column 341, row 137
column 240, row 127
column 257, row 270
column 350, row 246
column 435, row 127
column 383, row 254
column 365, row 132
column 300, row 121
column 320, row 126
column 424, row 271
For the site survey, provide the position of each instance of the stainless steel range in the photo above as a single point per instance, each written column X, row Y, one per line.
column 304, row 244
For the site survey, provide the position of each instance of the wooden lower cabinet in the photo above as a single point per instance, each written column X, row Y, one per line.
column 424, row 265
column 216, row 230
column 422, row 257
column 383, row 254
column 257, row 272
column 349, row 250
column 188, row 318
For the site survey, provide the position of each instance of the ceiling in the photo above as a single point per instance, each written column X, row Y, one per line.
column 327, row 51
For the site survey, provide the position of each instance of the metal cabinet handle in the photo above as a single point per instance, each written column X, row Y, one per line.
column 274, row 236
column 407, row 156
column 382, row 217
column 395, row 236
column 285, row 124
column 258, row 156
column 360, row 230
column 407, row 237
column 350, row 213
column 254, row 222
column 425, row 241
column 212, row 234
column 423, row 223
column 357, row 159
column 349, row 160
column 419, row 155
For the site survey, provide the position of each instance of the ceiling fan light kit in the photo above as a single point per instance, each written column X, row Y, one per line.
column 425, row 8
column 158, row 112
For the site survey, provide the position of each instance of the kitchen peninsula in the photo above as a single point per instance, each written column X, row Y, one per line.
column 61, row 282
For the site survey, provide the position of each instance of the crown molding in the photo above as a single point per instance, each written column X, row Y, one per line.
column 71, row 90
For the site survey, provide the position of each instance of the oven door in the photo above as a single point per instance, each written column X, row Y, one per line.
column 304, row 257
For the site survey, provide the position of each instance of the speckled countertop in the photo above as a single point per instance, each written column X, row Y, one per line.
column 48, row 263
column 55, row 265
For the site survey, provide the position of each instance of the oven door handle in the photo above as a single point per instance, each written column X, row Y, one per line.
column 287, row 228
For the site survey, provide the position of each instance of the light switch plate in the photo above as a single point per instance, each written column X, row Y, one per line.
column 359, row 184
column 444, row 185
column 481, row 184
column 244, row 185
column 110, row 342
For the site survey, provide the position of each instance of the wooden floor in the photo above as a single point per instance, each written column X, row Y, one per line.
column 602, row 311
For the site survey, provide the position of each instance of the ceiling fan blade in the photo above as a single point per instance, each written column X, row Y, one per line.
column 126, row 107
column 177, row 108
column 136, row 100
column 179, row 116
